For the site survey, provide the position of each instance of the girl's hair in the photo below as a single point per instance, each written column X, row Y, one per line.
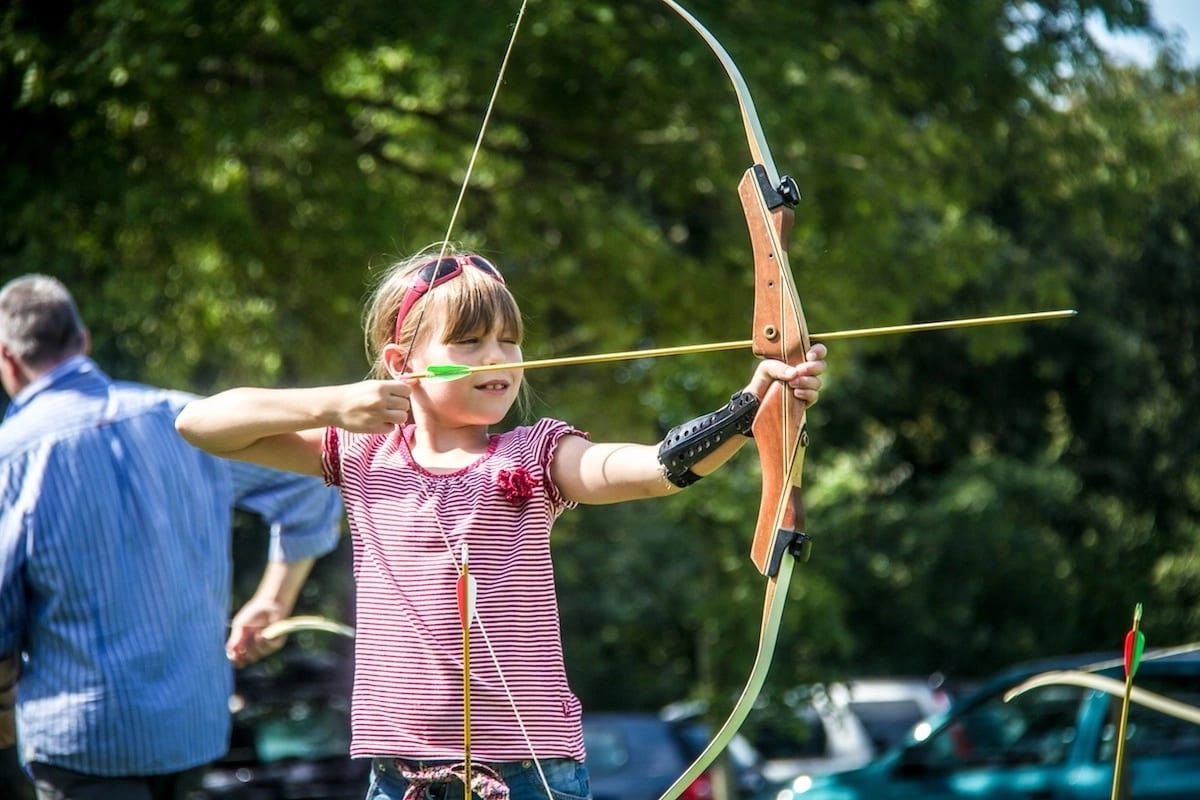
column 471, row 303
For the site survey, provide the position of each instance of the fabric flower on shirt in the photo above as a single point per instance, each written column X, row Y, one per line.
column 517, row 485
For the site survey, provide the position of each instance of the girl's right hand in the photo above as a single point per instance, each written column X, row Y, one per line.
column 374, row 406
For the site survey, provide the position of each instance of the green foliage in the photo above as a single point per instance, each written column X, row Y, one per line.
column 221, row 182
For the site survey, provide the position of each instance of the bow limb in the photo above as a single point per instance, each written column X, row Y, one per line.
column 776, row 597
column 780, row 332
column 759, row 152
column 291, row 625
column 1090, row 680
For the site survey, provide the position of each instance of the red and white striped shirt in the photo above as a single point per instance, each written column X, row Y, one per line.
column 408, row 526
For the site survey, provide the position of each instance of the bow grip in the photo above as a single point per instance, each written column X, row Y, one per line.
column 780, row 526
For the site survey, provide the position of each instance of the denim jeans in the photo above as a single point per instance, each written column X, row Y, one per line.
column 568, row 780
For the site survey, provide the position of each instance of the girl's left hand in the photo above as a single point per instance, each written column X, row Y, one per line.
column 803, row 379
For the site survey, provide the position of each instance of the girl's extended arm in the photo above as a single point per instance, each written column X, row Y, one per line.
column 283, row 428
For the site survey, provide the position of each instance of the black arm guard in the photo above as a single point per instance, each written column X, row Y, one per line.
column 685, row 445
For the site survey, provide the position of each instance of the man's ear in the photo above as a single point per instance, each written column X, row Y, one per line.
column 12, row 372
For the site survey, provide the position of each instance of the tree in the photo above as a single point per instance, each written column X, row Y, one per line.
column 220, row 182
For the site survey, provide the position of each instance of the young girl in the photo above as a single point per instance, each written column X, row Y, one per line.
column 421, row 474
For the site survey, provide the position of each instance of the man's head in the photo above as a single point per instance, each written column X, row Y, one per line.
column 40, row 327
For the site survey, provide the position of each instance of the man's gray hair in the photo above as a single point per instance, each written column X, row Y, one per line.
column 39, row 321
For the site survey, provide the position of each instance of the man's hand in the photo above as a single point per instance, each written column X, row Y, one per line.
column 272, row 601
column 246, row 643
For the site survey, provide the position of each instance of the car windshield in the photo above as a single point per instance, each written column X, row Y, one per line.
column 1037, row 727
column 1150, row 732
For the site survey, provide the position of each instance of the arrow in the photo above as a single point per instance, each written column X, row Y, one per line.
column 450, row 372
column 466, row 613
column 1135, row 643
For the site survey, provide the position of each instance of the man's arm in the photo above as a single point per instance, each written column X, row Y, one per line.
column 13, row 599
column 305, row 521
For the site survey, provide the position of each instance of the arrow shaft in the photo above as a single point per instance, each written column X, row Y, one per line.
column 466, row 610
column 743, row 344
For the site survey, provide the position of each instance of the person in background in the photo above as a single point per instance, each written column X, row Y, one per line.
column 423, row 476
column 116, row 566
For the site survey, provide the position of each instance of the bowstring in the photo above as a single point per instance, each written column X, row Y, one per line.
column 466, row 181
column 462, row 192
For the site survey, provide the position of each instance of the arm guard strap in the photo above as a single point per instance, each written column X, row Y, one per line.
column 687, row 444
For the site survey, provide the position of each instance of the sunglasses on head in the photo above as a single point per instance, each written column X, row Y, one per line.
column 436, row 272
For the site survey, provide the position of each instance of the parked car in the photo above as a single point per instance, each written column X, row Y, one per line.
column 638, row 755
column 291, row 733
column 817, row 733
column 890, row 708
column 1053, row 742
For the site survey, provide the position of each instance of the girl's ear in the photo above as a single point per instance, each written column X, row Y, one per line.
column 395, row 358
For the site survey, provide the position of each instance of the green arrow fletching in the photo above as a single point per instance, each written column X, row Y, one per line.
column 446, row 372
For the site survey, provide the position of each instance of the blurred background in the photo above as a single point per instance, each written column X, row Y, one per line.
column 220, row 182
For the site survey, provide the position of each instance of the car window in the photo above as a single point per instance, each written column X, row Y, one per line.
column 1152, row 733
column 804, row 737
column 695, row 736
column 606, row 750
column 297, row 730
column 1037, row 727
column 887, row 721
column 644, row 745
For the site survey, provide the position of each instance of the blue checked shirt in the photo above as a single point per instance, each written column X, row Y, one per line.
column 115, row 560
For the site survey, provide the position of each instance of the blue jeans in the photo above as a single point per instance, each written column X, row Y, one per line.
column 568, row 780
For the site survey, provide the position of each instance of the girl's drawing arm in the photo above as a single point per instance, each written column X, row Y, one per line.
column 283, row 428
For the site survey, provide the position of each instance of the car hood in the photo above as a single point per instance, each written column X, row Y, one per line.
column 864, row 783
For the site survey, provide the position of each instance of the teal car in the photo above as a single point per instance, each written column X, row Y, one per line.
column 1043, row 731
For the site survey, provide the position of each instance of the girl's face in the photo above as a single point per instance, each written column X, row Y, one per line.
column 482, row 398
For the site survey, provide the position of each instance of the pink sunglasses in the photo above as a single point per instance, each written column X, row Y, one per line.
column 434, row 273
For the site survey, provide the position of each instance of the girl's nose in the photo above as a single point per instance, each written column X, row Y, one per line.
column 494, row 352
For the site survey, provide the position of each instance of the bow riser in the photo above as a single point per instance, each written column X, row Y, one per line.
column 781, row 333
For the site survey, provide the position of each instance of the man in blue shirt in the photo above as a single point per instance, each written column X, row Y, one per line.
column 115, row 566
